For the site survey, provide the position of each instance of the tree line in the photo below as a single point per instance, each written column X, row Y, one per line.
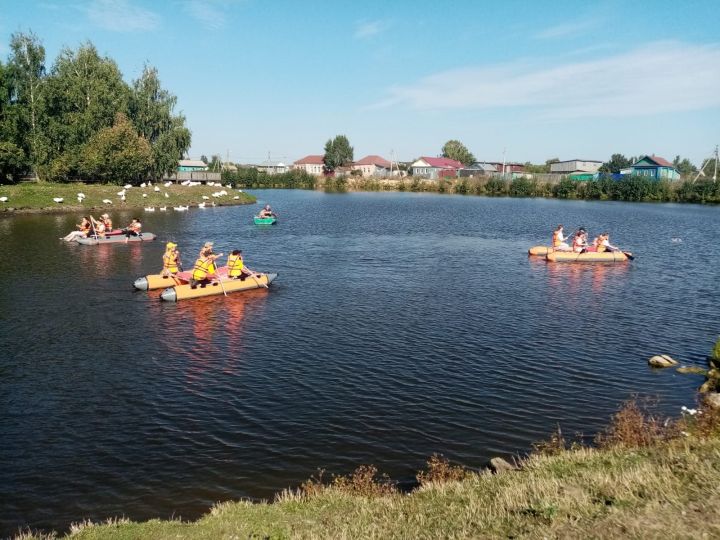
column 79, row 120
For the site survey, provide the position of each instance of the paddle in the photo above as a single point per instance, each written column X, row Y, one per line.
column 92, row 224
column 220, row 278
column 629, row 255
column 252, row 275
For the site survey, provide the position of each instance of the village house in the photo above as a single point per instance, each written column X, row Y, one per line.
column 272, row 167
column 372, row 166
column 575, row 166
column 655, row 167
column 513, row 169
column 434, row 168
column 478, row 169
column 312, row 164
column 191, row 165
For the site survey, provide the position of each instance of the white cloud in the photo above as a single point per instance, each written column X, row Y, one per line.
column 366, row 29
column 206, row 13
column 121, row 16
column 568, row 29
column 658, row 78
column 210, row 13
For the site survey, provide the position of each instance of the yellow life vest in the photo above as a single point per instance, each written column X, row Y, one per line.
column 170, row 262
column 203, row 267
column 235, row 265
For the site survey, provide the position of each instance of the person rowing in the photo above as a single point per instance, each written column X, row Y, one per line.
column 98, row 227
column 205, row 269
column 605, row 245
column 580, row 241
column 236, row 266
column 83, row 231
column 266, row 212
column 105, row 218
column 171, row 260
column 134, row 229
column 558, row 240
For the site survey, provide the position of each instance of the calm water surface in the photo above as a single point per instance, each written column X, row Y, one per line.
column 400, row 325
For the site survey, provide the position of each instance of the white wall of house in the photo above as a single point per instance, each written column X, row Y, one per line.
column 309, row 168
column 575, row 165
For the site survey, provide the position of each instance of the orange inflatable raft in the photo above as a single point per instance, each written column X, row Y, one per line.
column 589, row 257
column 222, row 287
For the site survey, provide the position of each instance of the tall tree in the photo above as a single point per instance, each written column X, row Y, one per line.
column 151, row 110
column 684, row 166
column 338, row 153
column 12, row 162
column 456, row 150
column 84, row 93
column 116, row 154
column 616, row 163
column 26, row 73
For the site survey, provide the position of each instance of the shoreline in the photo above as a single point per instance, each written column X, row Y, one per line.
column 38, row 198
column 637, row 465
column 630, row 189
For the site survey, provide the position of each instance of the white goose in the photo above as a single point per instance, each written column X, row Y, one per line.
column 58, row 199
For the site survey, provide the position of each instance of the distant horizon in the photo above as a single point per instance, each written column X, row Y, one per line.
column 530, row 82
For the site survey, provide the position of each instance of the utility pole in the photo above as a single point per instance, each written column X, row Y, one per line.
column 504, row 162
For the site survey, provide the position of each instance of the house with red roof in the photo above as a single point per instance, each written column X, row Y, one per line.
column 372, row 166
column 655, row 167
column 312, row 164
column 434, row 168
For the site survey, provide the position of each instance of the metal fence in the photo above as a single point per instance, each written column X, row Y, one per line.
column 194, row 176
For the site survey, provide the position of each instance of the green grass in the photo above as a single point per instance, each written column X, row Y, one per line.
column 30, row 197
column 664, row 488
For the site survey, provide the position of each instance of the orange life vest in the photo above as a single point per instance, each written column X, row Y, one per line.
column 556, row 239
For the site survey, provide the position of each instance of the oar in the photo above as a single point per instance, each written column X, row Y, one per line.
column 219, row 278
column 92, row 224
column 252, row 275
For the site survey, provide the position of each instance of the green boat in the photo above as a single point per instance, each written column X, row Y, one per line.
column 265, row 220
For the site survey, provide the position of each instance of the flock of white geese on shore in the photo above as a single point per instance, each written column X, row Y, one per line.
column 121, row 194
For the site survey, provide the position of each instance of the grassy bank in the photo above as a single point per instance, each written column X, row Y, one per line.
column 644, row 478
column 629, row 188
column 38, row 197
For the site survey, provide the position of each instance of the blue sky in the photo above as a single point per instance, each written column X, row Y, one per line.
column 535, row 80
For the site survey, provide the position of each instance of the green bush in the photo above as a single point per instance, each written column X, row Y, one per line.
column 716, row 350
column 496, row 187
column 565, row 189
column 522, row 187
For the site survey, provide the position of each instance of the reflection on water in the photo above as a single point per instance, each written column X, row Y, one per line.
column 391, row 333
column 578, row 279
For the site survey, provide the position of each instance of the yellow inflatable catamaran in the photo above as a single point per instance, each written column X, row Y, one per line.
column 223, row 286
column 590, row 257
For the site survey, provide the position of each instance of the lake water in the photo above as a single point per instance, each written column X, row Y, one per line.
column 400, row 325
